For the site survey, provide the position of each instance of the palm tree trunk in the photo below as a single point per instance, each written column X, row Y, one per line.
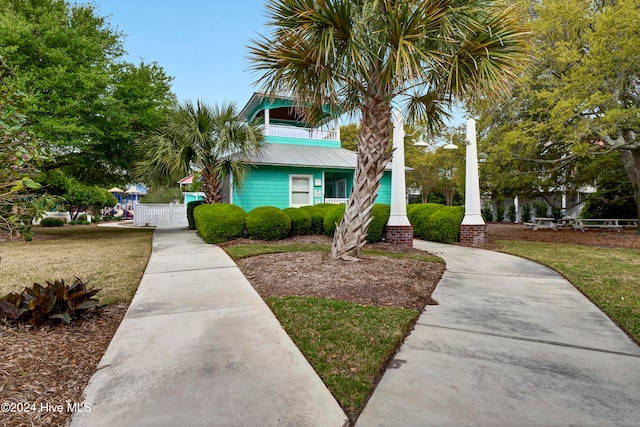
column 373, row 156
column 211, row 186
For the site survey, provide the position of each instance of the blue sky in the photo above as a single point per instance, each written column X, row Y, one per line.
column 201, row 43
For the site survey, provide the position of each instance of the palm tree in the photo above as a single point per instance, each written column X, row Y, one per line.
column 215, row 141
column 366, row 55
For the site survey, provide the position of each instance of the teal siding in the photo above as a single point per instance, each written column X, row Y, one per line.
column 384, row 193
column 307, row 142
column 269, row 186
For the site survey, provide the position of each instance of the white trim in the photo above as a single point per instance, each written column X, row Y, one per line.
column 336, row 193
column 323, row 189
column 230, row 189
column 309, row 179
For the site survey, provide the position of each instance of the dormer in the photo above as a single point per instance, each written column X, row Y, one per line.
column 284, row 122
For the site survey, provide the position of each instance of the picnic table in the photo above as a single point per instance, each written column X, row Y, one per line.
column 604, row 223
column 538, row 223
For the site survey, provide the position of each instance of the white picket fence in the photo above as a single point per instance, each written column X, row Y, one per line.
column 166, row 214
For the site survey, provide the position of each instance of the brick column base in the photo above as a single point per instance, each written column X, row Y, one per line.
column 399, row 234
column 474, row 234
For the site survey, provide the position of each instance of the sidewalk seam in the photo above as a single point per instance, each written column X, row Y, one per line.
column 513, row 337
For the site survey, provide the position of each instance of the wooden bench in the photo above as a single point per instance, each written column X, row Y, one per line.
column 603, row 224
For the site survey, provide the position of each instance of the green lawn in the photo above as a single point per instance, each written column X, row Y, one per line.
column 610, row 277
column 347, row 344
column 112, row 259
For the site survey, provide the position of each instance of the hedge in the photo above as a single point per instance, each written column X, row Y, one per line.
column 190, row 207
column 218, row 222
column 419, row 215
column 267, row 223
column 444, row 224
column 317, row 214
column 300, row 221
column 333, row 215
column 51, row 222
column 380, row 215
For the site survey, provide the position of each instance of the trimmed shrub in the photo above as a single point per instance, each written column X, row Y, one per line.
column 333, row 215
column 190, row 207
column 487, row 213
column 51, row 222
column 540, row 208
column 317, row 214
column 525, row 216
column 512, row 213
column 218, row 222
column 500, row 211
column 267, row 223
column 82, row 217
column 300, row 221
column 380, row 215
column 444, row 224
column 419, row 216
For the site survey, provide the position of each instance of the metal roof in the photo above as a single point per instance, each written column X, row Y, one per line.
column 307, row 156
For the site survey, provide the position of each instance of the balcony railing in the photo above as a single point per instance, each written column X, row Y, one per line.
column 296, row 132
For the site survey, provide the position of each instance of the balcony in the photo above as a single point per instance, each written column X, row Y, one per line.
column 301, row 133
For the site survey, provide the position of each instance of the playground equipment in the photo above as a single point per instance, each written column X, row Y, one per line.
column 126, row 200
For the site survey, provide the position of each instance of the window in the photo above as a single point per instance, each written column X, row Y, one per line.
column 300, row 190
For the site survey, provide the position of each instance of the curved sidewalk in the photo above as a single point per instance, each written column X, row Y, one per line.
column 199, row 347
column 511, row 343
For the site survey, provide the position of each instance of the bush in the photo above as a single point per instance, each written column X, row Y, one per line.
column 444, row 224
column 526, row 212
column 82, row 217
column 317, row 214
column 218, row 222
column 267, row 223
column 55, row 301
column 51, row 222
column 190, row 207
column 540, row 208
column 419, row 216
column 487, row 213
column 380, row 215
column 78, row 222
column 512, row 213
column 332, row 216
column 500, row 211
column 300, row 221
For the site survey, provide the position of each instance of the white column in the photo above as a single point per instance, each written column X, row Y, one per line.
column 472, row 207
column 517, row 205
column 338, row 128
column 398, row 214
column 266, row 121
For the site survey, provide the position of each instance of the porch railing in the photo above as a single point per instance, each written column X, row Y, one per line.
column 335, row 201
column 296, row 132
column 160, row 214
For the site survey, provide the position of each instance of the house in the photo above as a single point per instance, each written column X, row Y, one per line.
column 301, row 165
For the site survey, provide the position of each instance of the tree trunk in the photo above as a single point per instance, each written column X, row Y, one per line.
column 211, row 186
column 631, row 162
column 373, row 156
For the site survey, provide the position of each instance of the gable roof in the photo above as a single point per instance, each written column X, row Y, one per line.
column 306, row 156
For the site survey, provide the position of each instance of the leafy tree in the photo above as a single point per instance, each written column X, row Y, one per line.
column 348, row 134
column 84, row 106
column 81, row 198
column 364, row 55
column 19, row 160
column 580, row 98
column 213, row 141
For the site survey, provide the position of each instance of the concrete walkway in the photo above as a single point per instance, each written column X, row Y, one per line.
column 511, row 344
column 199, row 347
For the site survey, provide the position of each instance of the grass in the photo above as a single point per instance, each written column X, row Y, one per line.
column 609, row 277
column 347, row 344
column 112, row 259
